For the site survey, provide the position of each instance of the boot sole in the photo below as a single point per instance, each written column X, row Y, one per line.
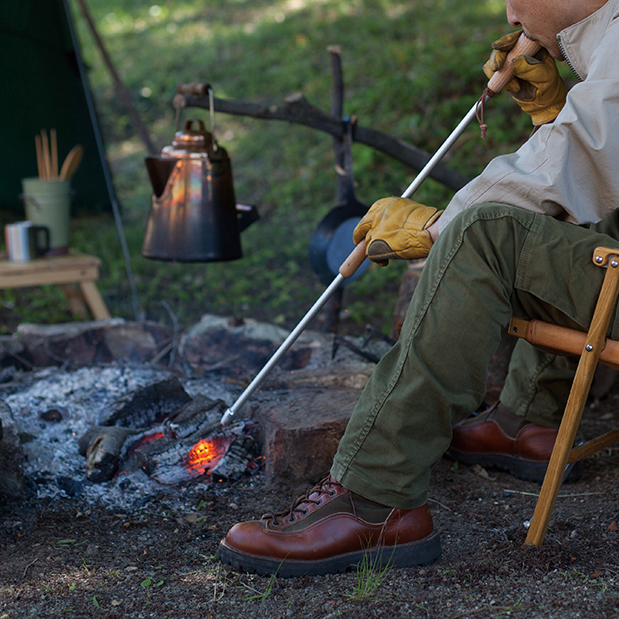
column 407, row 555
column 527, row 470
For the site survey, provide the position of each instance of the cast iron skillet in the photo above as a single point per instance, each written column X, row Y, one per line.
column 331, row 242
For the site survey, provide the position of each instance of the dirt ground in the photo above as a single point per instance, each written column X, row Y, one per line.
column 66, row 559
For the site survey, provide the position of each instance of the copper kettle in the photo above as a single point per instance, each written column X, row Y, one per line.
column 194, row 216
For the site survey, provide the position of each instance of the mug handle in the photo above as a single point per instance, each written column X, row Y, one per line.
column 41, row 250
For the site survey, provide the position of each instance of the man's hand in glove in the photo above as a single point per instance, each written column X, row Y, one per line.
column 396, row 228
column 537, row 86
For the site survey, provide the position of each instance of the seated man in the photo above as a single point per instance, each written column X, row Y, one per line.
column 507, row 245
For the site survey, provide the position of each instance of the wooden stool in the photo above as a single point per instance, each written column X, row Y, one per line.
column 67, row 271
column 593, row 347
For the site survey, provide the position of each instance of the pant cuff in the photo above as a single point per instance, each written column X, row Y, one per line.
column 367, row 489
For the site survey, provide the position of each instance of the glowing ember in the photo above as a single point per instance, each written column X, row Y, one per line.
column 205, row 454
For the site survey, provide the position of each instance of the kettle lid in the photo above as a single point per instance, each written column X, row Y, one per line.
column 194, row 138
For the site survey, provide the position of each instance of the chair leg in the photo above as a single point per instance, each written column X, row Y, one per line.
column 560, row 453
column 575, row 405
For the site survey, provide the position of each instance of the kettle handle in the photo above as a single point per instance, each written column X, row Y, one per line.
column 247, row 215
column 189, row 122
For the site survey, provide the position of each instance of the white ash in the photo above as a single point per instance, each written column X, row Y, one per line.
column 82, row 398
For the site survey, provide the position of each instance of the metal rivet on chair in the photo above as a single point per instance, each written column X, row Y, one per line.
column 588, row 347
column 599, row 259
column 614, row 264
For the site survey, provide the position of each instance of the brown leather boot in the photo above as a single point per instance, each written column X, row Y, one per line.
column 329, row 530
column 501, row 439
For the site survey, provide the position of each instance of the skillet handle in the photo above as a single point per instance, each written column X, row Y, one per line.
column 354, row 260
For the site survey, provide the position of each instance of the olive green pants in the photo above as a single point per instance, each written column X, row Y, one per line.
column 538, row 383
column 491, row 263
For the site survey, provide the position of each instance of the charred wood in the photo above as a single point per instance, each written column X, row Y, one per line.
column 149, row 405
column 102, row 448
column 188, row 444
column 176, row 461
column 202, row 415
column 241, row 453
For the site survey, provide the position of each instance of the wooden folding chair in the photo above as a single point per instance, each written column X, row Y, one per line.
column 593, row 347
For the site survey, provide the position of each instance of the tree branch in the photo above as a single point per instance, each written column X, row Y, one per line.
column 298, row 110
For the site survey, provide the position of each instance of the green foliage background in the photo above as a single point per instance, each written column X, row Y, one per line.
column 411, row 69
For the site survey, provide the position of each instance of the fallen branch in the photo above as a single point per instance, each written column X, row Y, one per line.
column 298, row 110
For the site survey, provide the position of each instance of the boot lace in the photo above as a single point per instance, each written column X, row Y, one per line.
column 327, row 486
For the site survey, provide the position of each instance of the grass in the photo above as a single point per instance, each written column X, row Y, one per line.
column 267, row 591
column 411, row 70
column 371, row 574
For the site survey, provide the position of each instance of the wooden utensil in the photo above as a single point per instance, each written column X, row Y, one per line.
column 54, row 151
column 47, row 161
column 72, row 162
column 47, row 155
column 40, row 165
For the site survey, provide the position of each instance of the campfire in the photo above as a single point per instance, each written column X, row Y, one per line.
column 79, row 437
column 170, row 436
column 122, row 430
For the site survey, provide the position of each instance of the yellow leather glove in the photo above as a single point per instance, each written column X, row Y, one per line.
column 396, row 228
column 537, row 86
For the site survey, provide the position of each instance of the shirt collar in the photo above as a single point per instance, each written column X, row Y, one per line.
column 578, row 41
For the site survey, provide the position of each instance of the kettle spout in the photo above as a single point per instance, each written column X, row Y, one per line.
column 159, row 171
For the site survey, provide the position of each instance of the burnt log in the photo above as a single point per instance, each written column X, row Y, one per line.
column 148, row 405
column 199, row 417
column 103, row 447
column 188, row 445
column 238, row 458
column 223, row 455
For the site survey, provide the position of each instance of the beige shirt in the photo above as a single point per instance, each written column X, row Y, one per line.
column 570, row 168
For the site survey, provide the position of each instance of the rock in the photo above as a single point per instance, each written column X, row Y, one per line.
column 11, row 456
column 136, row 341
column 11, row 352
column 239, row 348
column 301, row 430
column 87, row 343
column 78, row 342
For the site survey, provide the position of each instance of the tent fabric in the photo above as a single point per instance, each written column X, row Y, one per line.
column 42, row 89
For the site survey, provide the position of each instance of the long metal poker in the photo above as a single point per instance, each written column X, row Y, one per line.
column 356, row 258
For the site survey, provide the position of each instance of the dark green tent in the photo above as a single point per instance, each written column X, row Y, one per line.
column 43, row 85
